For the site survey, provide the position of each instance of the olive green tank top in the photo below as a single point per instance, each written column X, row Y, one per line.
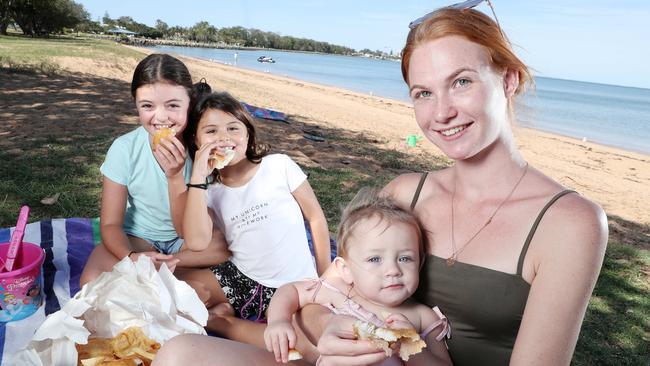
column 484, row 306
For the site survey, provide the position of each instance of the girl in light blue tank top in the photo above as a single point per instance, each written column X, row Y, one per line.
column 142, row 171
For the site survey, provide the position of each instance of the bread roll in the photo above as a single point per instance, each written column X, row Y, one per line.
column 163, row 133
column 218, row 159
column 294, row 355
column 406, row 341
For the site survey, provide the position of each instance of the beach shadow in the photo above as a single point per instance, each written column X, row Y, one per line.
column 36, row 106
column 628, row 233
column 55, row 132
column 344, row 149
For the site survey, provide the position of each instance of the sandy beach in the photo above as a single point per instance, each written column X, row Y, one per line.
column 618, row 180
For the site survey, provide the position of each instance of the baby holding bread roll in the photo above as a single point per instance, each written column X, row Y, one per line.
column 380, row 252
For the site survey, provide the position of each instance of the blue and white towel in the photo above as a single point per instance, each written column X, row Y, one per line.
column 67, row 244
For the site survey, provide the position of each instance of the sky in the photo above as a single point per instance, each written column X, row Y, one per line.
column 601, row 41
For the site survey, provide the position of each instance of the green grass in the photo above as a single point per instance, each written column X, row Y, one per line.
column 49, row 166
column 26, row 50
column 616, row 327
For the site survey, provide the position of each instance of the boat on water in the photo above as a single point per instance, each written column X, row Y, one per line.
column 267, row 59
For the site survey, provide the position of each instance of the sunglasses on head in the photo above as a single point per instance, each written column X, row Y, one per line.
column 462, row 5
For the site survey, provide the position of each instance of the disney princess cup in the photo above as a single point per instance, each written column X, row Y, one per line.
column 21, row 290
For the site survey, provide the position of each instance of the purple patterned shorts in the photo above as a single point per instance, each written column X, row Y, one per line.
column 249, row 298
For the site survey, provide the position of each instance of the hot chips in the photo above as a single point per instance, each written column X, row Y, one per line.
column 130, row 347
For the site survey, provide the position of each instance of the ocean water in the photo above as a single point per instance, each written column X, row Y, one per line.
column 606, row 114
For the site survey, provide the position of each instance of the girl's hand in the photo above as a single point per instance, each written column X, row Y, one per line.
column 170, row 154
column 157, row 259
column 339, row 346
column 201, row 170
column 279, row 337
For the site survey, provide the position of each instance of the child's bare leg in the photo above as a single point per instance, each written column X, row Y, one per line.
column 204, row 283
column 237, row 329
column 223, row 309
column 101, row 260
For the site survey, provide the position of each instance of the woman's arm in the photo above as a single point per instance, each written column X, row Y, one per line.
column 569, row 250
column 313, row 213
column 114, row 238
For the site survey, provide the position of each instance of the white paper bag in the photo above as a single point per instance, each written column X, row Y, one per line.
column 133, row 294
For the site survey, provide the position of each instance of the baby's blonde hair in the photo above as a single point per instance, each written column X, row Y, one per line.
column 369, row 203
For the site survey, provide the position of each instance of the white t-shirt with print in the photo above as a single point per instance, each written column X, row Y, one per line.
column 263, row 223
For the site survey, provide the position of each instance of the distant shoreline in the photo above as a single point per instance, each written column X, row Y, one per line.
column 143, row 42
column 244, row 48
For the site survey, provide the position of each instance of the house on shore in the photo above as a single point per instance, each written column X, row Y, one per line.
column 121, row 32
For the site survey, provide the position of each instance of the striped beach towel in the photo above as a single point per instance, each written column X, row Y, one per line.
column 67, row 244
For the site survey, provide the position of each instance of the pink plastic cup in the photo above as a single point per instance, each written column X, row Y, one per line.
column 21, row 289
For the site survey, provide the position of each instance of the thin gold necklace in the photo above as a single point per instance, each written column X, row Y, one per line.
column 455, row 253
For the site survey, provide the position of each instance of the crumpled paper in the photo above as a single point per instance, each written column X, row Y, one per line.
column 133, row 294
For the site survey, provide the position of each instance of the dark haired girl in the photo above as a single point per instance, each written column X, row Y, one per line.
column 144, row 182
column 259, row 202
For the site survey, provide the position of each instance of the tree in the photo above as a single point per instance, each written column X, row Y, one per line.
column 125, row 22
column 234, row 35
column 203, row 32
column 89, row 26
column 162, row 27
column 42, row 17
column 107, row 21
column 71, row 15
column 258, row 38
column 177, row 32
column 5, row 15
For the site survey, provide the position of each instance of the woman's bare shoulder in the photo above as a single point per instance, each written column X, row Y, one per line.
column 572, row 214
column 576, row 218
column 403, row 187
